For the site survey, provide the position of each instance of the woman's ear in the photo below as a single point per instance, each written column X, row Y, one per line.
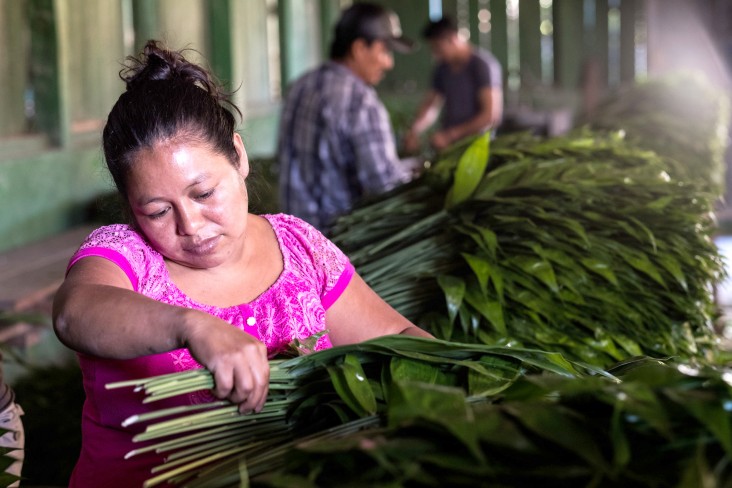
column 242, row 153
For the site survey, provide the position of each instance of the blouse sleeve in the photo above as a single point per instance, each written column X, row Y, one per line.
column 330, row 269
column 120, row 245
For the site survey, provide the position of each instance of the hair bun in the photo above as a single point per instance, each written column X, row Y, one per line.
column 157, row 63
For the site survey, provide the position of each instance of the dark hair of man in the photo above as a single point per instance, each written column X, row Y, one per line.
column 439, row 29
column 167, row 99
column 349, row 28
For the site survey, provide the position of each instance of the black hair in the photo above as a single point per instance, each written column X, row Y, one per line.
column 438, row 29
column 167, row 98
column 350, row 27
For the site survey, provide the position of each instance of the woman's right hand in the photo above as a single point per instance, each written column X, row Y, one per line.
column 237, row 361
column 96, row 312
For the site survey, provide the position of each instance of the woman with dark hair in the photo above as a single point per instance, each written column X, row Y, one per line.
column 194, row 280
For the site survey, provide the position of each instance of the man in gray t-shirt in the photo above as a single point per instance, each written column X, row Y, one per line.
column 466, row 86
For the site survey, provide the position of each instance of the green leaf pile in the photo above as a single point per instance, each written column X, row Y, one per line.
column 583, row 245
column 323, row 395
column 682, row 117
column 662, row 426
column 407, row 412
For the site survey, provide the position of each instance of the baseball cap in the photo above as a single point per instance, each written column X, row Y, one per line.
column 373, row 22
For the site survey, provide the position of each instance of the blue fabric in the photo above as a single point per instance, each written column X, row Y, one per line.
column 336, row 145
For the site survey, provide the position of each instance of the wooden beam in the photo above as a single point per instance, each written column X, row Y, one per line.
column 627, row 40
column 146, row 21
column 499, row 34
column 530, row 42
column 568, row 42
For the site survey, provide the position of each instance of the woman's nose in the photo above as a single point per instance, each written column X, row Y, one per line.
column 189, row 220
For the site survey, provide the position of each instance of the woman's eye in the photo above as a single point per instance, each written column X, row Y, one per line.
column 204, row 195
column 157, row 215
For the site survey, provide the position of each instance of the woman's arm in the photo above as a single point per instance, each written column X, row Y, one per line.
column 96, row 312
column 360, row 314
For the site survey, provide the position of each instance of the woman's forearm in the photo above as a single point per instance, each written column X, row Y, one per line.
column 113, row 322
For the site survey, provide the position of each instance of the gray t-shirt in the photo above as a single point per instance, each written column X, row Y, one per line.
column 461, row 89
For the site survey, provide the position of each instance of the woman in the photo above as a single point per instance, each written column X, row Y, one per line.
column 161, row 295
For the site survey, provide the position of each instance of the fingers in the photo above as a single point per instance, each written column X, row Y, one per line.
column 255, row 389
column 237, row 360
column 244, row 379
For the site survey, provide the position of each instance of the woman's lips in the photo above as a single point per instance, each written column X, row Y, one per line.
column 206, row 246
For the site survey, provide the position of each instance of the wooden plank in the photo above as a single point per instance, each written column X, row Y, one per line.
column 530, row 43
column 33, row 272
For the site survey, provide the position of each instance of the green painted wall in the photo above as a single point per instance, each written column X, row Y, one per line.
column 69, row 51
column 14, row 66
column 91, row 56
column 300, row 38
column 47, row 193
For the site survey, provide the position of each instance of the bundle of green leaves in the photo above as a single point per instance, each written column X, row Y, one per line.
column 662, row 426
column 682, row 117
column 583, row 245
column 323, row 395
column 405, row 412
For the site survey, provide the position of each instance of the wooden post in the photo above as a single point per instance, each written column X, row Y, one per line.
column 219, row 15
column 499, row 35
column 627, row 40
column 530, row 42
column 145, row 19
column 49, row 69
column 329, row 13
column 568, row 42
column 600, row 49
column 473, row 21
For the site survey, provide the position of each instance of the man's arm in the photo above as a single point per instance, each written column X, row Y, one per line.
column 427, row 113
column 491, row 110
column 377, row 165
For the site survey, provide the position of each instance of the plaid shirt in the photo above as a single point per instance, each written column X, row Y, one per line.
column 335, row 146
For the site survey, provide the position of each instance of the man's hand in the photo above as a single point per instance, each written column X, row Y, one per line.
column 411, row 142
column 440, row 140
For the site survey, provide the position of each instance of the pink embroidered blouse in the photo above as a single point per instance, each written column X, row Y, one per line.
column 315, row 274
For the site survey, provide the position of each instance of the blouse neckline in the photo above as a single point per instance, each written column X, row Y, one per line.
column 284, row 252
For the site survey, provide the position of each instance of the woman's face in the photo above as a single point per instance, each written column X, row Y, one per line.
column 190, row 202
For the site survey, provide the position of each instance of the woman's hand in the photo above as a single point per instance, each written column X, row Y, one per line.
column 237, row 360
column 96, row 312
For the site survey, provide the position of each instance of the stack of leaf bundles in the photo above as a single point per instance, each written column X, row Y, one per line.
column 583, row 245
column 682, row 117
column 318, row 397
column 406, row 412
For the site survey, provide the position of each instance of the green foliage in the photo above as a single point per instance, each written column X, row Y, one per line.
column 682, row 118
column 648, row 430
column 319, row 396
column 589, row 246
column 582, row 245
column 52, row 398
column 450, row 414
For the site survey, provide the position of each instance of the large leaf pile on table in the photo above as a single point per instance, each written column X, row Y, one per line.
column 405, row 412
column 681, row 117
column 583, row 245
column 317, row 395
column 662, row 426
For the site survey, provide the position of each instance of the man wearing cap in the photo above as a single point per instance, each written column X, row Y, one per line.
column 336, row 144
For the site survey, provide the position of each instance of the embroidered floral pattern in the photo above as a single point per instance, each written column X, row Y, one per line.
column 291, row 308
